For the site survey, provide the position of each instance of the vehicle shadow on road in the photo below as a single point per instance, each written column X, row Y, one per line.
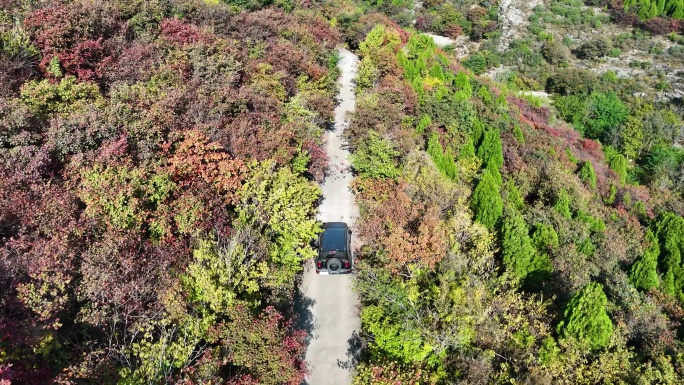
column 355, row 352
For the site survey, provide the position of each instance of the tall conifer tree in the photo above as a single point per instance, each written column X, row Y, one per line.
column 586, row 319
column 516, row 246
column 486, row 203
column 644, row 272
column 490, row 150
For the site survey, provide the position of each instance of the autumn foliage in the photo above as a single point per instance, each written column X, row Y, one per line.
column 411, row 232
column 509, row 245
column 130, row 148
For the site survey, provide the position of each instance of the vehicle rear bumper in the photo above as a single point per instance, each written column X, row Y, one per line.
column 326, row 272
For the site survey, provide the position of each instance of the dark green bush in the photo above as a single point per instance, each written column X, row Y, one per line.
column 595, row 48
column 555, row 52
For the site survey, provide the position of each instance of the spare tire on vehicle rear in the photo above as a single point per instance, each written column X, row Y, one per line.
column 334, row 265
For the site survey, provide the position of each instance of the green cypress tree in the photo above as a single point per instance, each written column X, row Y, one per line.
column 640, row 211
column 617, row 162
column 462, row 82
column 653, row 10
column 486, row 202
column 632, row 137
column 648, row 10
column 518, row 134
column 420, row 65
column 402, row 59
column 587, row 174
column 436, row 72
column 513, row 196
column 668, row 228
column 490, row 150
column 484, row 94
column 544, row 237
column 516, row 246
column 449, row 164
column 612, row 193
column 541, row 268
column 501, row 101
column 644, row 274
column 420, row 45
column 671, row 257
column 444, row 160
column 441, row 93
column 467, row 150
column 563, row 204
column 668, row 283
column 676, row 9
column 434, row 149
column 417, row 85
column 660, row 4
column 495, row 173
column 585, row 318
column 477, row 131
column 410, row 70
column 423, row 124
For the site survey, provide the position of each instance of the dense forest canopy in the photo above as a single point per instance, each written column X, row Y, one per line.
column 159, row 171
column 545, row 240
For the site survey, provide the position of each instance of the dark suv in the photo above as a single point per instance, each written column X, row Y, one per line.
column 334, row 249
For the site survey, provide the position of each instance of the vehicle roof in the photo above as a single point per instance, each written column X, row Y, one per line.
column 328, row 225
column 334, row 238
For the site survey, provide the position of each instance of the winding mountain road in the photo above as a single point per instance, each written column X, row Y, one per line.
column 326, row 303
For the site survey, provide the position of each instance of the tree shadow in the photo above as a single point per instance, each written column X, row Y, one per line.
column 535, row 282
column 355, row 352
column 304, row 319
column 303, row 316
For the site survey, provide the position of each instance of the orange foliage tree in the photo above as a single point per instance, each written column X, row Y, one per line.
column 409, row 232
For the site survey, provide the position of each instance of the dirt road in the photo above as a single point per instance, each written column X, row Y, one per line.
column 327, row 303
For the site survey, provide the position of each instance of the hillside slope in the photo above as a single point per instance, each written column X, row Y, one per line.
column 502, row 245
column 159, row 169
